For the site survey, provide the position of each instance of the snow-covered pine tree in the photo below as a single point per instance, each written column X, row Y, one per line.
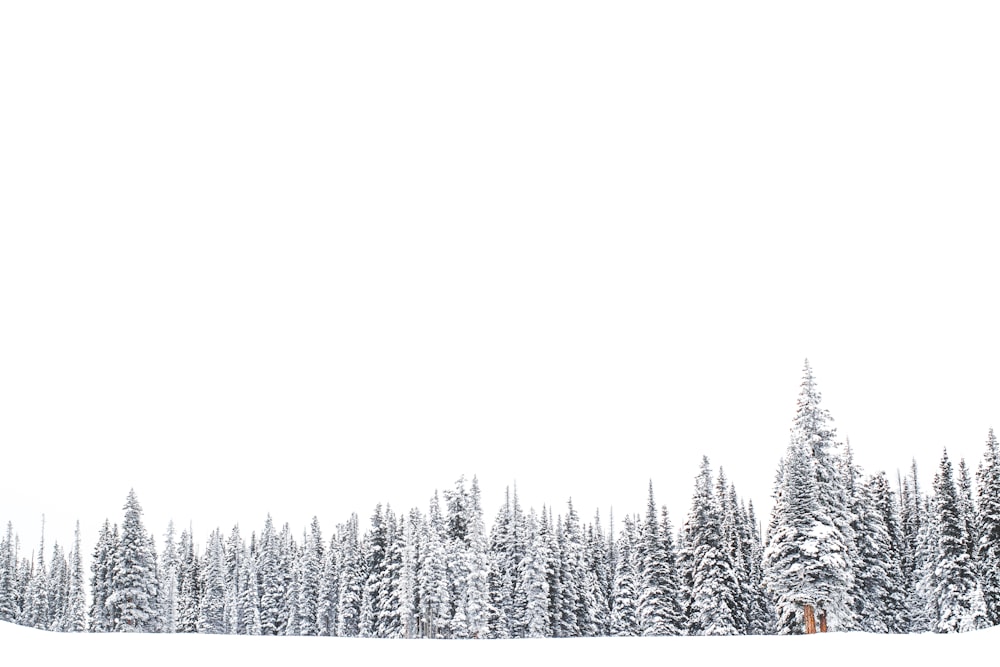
column 626, row 585
column 573, row 615
column 351, row 580
column 271, row 577
column 761, row 612
column 329, row 590
column 249, row 600
column 880, row 553
column 58, row 589
column 988, row 548
column 8, row 569
column 967, row 512
column 309, row 584
column 477, row 603
column 168, row 585
column 102, row 566
column 788, row 555
column 598, row 578
column 377, row 605
column 549, row 532
column 433, row 589
column 235, row 553
column 211, row 606
column 822, row 553
column 713, row 578
column 732, row 543
column 188, row 584
column 291, row 560
column 508, row 544
column 657, row 602
column 35, row 612
column 535, row 583
column 22, row 581
column 409, row 601
column 956, row 589
column 134, row 587
column 456, row 549
column 387, row 583
column 76, row 603
column 922, row 603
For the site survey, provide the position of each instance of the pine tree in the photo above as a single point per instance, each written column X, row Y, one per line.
column 879, row 594
column 923, row 603
column 625, row 589
column 351, row 579
column 713, row 578
column 134, row 589
column 988, row 547
column 810, row 549
column 76, row 604
column 476, row 602
column 967, row 512
column 573, row 615
column 433, row 589
column 597, row 570
column 189, row 582
column 535, row 583
column 35, row 612
column 329, row 590
column 761, row 613
column 8, row 570
column 733, row 544
column 508, row 543
column 272, row 585
column 289, row 558
column 789, row 554
column 249, row 593
column 58, row 589
column 168, row 589
column 211, row 606
column 657, row 606
column 235, row 553
column 309, row 585
column 912, row 512
column 956, row 588
column 102, row 617
column 409, row 601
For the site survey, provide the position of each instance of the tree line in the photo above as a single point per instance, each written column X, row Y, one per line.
column 850, row 547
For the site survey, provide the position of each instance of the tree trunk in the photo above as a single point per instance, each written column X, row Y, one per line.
column 822, row 620
column 810, row 620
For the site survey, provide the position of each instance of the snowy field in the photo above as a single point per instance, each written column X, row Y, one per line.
column 849, row 649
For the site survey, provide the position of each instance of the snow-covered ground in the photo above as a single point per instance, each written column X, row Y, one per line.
column 841, row 650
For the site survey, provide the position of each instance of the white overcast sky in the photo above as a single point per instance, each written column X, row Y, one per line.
column 301, row 258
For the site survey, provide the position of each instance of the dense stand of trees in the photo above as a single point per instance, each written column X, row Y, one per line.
column 863, row 555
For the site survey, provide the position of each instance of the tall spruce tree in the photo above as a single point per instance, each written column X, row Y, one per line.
column 8, row 579
column 988, row 507
column 350, row 580
column 235, row 553
column 35, row 611
column 810, row 554
column 76, row 604
column 102, row 582
column 712, row 602
column 134, row 588
column 657, row 607
column 211, row 606
column 957, row 594
column 627, row 583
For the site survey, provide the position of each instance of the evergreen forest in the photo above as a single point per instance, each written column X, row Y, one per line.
column 866, row 552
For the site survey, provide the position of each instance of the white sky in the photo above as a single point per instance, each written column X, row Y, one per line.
column 306, row 257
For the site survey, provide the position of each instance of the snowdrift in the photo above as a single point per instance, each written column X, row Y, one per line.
column 835, row 649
